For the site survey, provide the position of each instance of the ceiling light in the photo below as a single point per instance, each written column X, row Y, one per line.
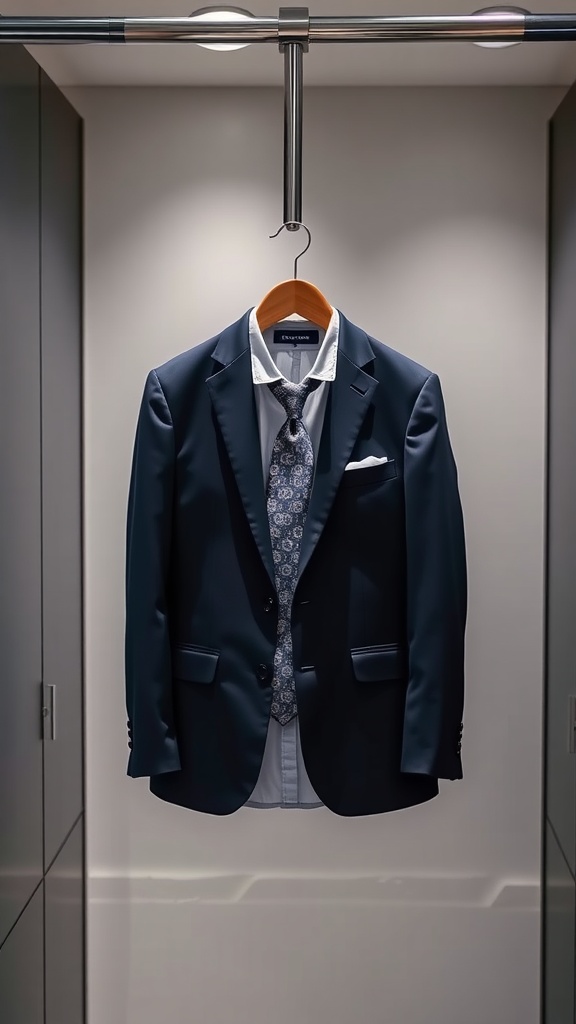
column 222, row 14
column 494, row 12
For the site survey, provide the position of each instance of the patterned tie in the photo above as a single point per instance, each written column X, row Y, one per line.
column 287, row 497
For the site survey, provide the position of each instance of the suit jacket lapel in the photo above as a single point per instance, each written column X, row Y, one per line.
column 349, row 400
column 232, row 393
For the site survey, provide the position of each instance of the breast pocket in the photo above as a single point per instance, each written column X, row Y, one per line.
column 368, row 476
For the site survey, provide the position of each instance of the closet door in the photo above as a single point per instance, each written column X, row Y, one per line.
column 64, row 910
column 22, row 968
column 61, row 267
column 559, row 917
column 20, row 489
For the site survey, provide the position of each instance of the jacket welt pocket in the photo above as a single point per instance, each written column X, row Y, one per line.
column 379, row 663
column 193, row 663
column 369, row 474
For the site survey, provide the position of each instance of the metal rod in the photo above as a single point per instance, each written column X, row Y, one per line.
column 186, row 30
column 509, row 25
column 352, row 29
column 418, row 28
column 293, row 92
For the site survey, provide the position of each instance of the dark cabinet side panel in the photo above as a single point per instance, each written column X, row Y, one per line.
column 561, row 666
column 22, row 967
column 20, row 488
column 560, row 924
column 559, row 865
column 64, row 886
column 61, row 296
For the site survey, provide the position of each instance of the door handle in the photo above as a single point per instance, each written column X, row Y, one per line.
column 49, row 711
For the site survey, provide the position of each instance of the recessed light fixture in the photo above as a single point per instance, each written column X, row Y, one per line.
column 495, row 11
column 222, row 14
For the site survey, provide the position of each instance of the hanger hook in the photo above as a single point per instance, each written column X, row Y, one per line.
column 307, row 230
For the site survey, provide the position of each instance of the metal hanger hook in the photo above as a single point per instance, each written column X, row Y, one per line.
column 307, row 230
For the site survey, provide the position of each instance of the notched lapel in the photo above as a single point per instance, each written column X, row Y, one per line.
column 348, row 403
column 232, row 396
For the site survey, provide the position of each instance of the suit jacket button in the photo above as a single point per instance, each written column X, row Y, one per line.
column 268, row 604
column 263, row 672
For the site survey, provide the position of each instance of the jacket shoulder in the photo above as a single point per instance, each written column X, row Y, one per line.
column 182, row 379
column 185, row 365
column 400, row 369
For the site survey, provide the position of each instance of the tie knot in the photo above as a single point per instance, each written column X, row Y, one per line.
column 293, row 396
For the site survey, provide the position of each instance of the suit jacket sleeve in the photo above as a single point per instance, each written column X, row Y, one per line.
column 436, row 593
column 147, row 641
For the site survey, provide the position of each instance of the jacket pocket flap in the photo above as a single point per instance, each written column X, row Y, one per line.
column 373, row 664
column 196, row 664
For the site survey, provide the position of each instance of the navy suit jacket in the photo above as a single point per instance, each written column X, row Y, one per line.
column 380, row 605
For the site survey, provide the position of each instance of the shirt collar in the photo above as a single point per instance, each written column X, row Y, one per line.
column 264, row 369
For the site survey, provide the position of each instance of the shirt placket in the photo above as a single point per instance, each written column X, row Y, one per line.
column 289, row 764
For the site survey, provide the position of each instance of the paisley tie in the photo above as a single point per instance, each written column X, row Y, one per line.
column 287, row 496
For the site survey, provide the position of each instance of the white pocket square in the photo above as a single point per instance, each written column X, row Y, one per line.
column 370, row 460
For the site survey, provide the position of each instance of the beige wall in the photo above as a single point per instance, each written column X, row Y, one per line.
column 427, row 209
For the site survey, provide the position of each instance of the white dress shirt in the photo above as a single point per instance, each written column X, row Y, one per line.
column 283, row 779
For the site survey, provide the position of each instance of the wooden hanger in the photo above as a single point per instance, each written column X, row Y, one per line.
column 294, row 296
